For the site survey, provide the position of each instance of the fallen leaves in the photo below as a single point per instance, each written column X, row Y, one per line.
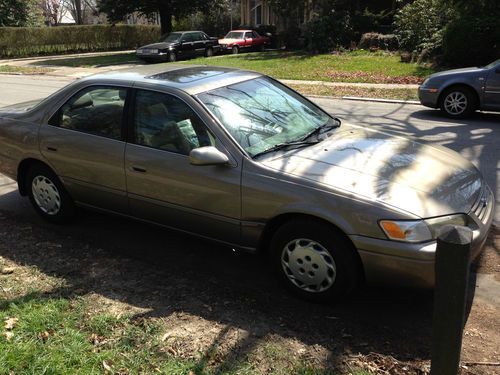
column 7, row 270
column 9, row 324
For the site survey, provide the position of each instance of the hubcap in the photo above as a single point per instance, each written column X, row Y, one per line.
column 308, row 265
column 46, row 195
column 455, row 103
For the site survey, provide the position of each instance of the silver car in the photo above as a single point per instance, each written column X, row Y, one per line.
column 237, row 157
column 460, row 92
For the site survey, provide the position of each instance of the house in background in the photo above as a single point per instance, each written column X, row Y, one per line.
column 257, row 13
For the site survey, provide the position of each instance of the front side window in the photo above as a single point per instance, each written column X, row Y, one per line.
column 171, row 38
column 261, row 113
column 96, row 110
column 165, row 122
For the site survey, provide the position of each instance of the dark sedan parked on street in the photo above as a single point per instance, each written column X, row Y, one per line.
column 460, row 92
column 181, row 44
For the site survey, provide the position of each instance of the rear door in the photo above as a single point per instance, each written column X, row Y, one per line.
column 492, row 90
column 84, row 143
column 163, row 186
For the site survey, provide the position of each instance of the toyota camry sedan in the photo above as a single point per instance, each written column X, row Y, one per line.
column 236, row 157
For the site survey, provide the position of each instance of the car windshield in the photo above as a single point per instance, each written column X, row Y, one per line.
column 493, row 64
column 172, row 37
column 261, row 114
column 234, row 35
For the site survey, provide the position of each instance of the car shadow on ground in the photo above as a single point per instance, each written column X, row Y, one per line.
column 165, row 273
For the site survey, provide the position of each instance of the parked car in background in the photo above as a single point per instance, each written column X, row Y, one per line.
column 179, row 45
column 240, row 40
column 239, row 158
column 460, row 92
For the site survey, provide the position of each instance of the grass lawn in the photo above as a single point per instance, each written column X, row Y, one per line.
column 92, row 61
column 23, row 69
column 356, row 66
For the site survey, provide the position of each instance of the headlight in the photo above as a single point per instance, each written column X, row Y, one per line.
column 419, row 230
column 435, row 223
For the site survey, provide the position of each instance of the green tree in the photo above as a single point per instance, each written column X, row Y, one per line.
column 20, row 13
column 118, row 9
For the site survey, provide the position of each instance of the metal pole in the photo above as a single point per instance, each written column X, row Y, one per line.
column 450, row 297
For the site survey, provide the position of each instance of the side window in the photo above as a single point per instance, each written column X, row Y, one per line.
column 95, row 110
column 165, row 122
column 248, row 35
column 188, row 37
column 255, row 35
column 198, row 36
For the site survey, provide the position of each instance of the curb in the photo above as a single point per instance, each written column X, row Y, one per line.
column 376, row 100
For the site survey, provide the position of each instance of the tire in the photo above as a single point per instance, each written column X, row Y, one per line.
column 209, row 52
column 48, row 195
column 172, row 57
column 458, row 102
column 235, row 50
column 315, row 252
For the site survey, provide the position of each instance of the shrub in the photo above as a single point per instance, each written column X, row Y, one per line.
column 379, row 41
column 419, row 25
column 26, row 41
column 473, row 39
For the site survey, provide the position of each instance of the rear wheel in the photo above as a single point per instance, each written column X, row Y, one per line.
column 314, row 260
column 458, row 102
column 235, row 50
column 48, row 195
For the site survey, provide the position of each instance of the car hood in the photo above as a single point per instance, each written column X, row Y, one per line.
column 463, row 71
column 423, row 180
column 160, row 45
column 229, row 41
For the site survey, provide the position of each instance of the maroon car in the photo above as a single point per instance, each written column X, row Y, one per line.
column 237, row 40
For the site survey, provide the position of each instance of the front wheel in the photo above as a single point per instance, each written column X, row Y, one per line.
column 209, row 52
column 48, row 195
column 172, row 56
column 458, row 102
column 235, row 50
column 314, row 260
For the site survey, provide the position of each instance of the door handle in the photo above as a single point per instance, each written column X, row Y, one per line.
column 50, row 148
column 139, row 169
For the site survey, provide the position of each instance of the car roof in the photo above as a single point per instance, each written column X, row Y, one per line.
column 242, row 30
column 192, row 79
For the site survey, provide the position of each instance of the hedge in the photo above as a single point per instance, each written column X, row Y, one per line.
column 32, row 41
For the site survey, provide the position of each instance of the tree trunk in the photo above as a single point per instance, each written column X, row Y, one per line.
column 165, row 17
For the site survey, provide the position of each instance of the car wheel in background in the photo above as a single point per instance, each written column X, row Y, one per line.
column 48, row 195
column 315, row 260
column 172, row 56
column 458, row 102
column 209, row 52
column 235, row 50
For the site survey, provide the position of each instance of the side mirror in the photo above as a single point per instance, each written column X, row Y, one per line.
column 207, row 155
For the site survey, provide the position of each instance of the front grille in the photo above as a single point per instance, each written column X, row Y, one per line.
column 481, row 206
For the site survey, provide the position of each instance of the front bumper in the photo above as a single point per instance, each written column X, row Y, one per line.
column 428, row 97
column 160, row 56
column 412, row 265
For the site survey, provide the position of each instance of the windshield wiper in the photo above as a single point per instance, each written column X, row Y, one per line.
column 283, row 145
column 322, row 129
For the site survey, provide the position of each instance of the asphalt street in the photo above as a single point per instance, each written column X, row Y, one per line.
column 477, row 139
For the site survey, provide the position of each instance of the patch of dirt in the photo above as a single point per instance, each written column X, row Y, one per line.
column 219, row 307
